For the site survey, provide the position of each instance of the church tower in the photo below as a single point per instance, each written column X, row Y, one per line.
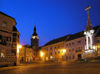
column 34, row 38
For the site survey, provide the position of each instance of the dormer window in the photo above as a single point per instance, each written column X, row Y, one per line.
column 4, row 24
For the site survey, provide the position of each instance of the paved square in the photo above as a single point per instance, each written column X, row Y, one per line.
column 55, row 68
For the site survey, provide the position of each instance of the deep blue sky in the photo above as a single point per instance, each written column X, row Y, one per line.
column 53, row 18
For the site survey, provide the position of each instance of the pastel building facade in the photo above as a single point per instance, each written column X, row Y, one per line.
column 9, row 38
column 71, row 47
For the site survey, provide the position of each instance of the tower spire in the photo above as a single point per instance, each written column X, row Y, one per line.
column 89, row 25
column 34, row 34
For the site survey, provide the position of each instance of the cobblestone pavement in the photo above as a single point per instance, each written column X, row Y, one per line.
column 54, row 68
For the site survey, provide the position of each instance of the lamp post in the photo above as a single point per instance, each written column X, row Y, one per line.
column 18, row 59
column 42, row 54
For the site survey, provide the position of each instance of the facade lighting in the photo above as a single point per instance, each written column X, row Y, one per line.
column 41, row 54
column 18, row 46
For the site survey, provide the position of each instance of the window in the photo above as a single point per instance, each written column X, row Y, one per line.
column 61, row 56
column 51, row 53
column 58, row 51
column 0, row 37
column 51, row 48
column 72, row 49
column 58, row 46
column 69, row 50
column 79, row 41
column 51, row 57
column 70, row 57
column 98, row 41
column 3, row 40
column 14, row 39
column 14, row 45
column 2, row 55
column 69, row 43
column 4, row 24
column 66, row 44
column 73, row 57
column 8, row 38
column 62, row 51
column 67, row 58
column 72, row 43
column 14, row 34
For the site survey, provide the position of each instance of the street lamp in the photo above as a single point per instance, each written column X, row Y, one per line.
column 18, row 46
column 41, row 54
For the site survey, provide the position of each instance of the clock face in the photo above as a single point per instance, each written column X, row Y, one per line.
column 35, row 37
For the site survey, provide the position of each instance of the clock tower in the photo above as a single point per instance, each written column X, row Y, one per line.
column 34, row 38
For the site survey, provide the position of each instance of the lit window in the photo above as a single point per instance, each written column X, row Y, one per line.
column 61, row 56
column 51, row 57
column 4, row 24
column 62, row 51
column 2, row 55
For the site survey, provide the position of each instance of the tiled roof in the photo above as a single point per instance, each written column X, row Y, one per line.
column 98, row 34
column 6, row 15
column 57, row 40
column 75, row 36
column 80, row 34
column 71, row 37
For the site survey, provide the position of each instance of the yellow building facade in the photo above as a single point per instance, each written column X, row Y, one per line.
column 9, row 38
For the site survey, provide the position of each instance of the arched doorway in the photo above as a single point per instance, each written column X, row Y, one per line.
column 79, row 56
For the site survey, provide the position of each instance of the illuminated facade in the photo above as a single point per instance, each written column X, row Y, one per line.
column 9, row 38
column 73, row 46
column 82, row 45
column 30, row 53
column 54, row 49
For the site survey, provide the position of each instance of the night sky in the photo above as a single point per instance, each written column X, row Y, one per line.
column 53, row 18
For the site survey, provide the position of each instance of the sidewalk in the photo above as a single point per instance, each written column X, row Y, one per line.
column 8, row 68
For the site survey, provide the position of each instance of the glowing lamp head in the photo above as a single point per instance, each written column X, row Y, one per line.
column 18, row 46
column 64, row 51
column 41, row 54
column 94, row 47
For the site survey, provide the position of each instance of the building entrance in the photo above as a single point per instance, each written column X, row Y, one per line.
column 79, row 56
